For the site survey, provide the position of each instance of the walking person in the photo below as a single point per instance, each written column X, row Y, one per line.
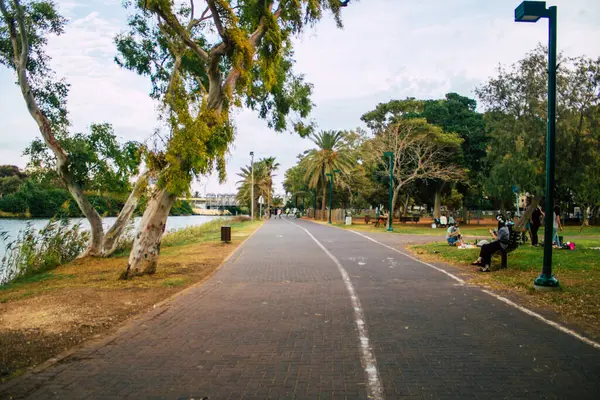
column 535, row 221
column 556, row 225
column 487, row 250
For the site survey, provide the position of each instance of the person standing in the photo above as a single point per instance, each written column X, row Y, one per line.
column 556, row 226
column 535, row 221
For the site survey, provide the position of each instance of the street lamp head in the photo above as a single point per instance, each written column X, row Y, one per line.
column 329, row 174
column 251, row 154
column 336, row 171
column 531, row 11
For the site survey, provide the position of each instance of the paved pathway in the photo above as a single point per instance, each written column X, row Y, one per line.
column 277, row 322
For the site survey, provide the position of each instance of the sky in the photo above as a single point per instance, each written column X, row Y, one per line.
column 388, row 49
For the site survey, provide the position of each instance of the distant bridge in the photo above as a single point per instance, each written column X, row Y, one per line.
column 213, row 201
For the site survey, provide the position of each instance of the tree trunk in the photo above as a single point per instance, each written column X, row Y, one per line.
column 324, row 200
column 111, row 239
column 522, row 222
column 143, row 258
column 94, row 247
column 96, row 230
column 405, row 211
column 269, row 200
column 437, row 204
column 391, row 212
column 585, row 221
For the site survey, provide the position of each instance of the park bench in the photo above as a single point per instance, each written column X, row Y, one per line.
column 513, row 244
column 412, row 218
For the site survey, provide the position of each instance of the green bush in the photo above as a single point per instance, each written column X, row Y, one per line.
column 13, row 203
column 10, row 184
column 181, row 207
column 32, row 252
column 47, row 203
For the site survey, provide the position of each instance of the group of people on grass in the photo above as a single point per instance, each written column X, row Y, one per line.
column 501, row 240
column 501, row 236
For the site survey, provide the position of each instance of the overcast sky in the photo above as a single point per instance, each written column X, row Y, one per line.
column 388, row 49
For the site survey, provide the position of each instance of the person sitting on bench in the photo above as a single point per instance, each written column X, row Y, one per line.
column 453, row 236
column 500, row 244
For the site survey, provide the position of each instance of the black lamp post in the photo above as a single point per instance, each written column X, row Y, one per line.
column 532, row 11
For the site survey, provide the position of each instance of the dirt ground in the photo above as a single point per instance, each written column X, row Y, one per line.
column 51, row 313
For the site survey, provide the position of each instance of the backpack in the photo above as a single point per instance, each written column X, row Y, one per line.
column 514, row 238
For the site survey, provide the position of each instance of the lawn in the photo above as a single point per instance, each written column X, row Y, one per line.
column 577, row 301
column 467, row 230
column 46, row 314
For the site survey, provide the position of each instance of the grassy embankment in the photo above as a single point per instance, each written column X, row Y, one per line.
column 45, row 314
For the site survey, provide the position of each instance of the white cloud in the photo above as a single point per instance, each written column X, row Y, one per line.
column 101, row 90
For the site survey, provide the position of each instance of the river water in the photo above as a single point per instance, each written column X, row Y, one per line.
column 13, row 226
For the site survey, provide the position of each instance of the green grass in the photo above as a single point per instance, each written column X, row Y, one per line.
column 209, row 231
column 578, row 272
column 414, row 229
column 174, row 282
column 45, row 276
column 467, row 230
column 527, row 258
column 205, row 232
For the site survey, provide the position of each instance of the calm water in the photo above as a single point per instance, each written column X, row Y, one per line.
column 13, row 226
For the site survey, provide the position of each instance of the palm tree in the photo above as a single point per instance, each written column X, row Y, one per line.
column 261, row 184
column 330, row 154
column 271, row 165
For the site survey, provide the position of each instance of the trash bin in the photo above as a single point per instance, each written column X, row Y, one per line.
column 226, row 234
column 348, row 220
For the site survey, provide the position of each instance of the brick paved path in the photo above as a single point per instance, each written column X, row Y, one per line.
column 276, row 322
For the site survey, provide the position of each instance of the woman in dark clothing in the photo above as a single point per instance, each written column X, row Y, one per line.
column 487, row 250
column 535, row 223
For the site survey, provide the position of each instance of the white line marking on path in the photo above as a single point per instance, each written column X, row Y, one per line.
column 502, row 299
column 374, row 388
column 456, row 278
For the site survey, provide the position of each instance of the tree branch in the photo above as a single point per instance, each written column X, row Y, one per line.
column 257, row 35
column 174, row 24
column 217, row 19
column 195, row 22
column 10, row 22
column 174, row 73
column 23, row 32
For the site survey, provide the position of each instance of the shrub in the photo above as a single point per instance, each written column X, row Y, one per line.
column 13, row 203
column 181, row 207
column 34, row 252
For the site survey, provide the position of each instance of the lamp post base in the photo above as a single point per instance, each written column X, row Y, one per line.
column 546, row 282
column 390, row 229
